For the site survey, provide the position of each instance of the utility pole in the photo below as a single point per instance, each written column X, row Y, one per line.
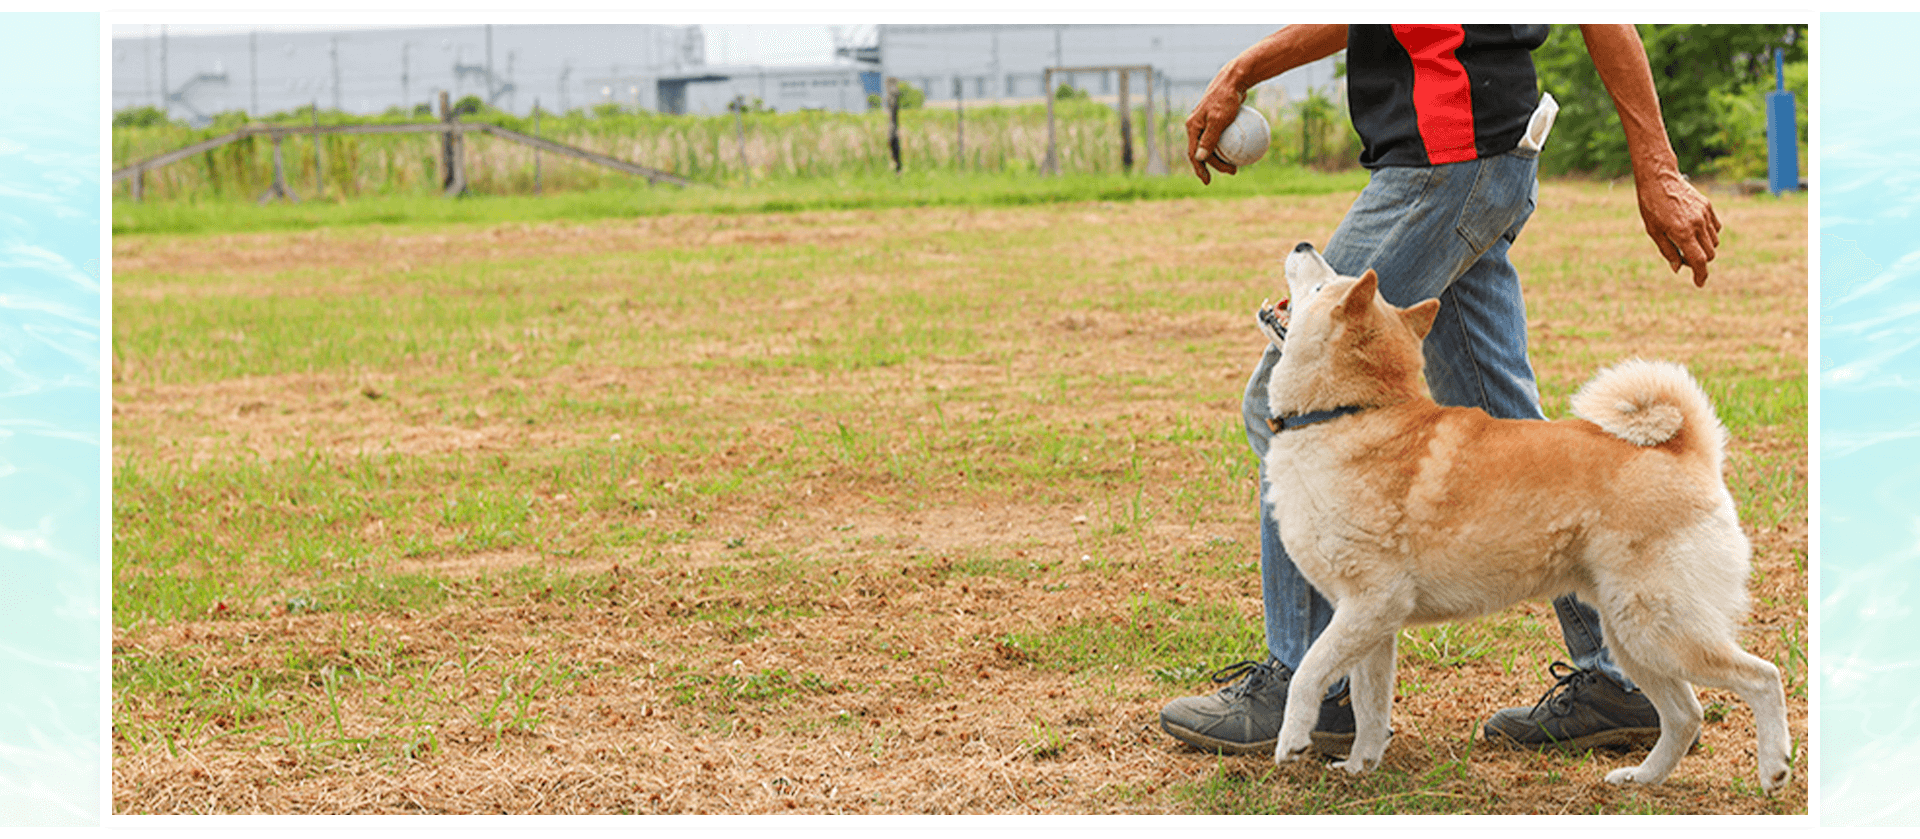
column 490, row 85
column 406, row 98
column 166, row 109
column 333, row 51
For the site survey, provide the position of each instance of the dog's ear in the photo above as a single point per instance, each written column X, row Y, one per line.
column 1419, row 316
column 1360, row 296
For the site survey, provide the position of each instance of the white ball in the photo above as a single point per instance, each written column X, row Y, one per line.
column 1244, row 141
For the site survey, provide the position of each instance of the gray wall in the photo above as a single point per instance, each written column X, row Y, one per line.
column 1004, row 61
column 296, row 68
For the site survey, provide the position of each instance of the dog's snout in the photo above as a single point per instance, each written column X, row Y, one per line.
column 1303, row 247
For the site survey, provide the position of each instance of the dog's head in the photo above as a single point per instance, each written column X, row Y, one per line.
column 1307, row 273
column 1346, row 345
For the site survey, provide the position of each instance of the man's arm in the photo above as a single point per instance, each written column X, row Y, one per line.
column 1275, row 54
column 1678, row 218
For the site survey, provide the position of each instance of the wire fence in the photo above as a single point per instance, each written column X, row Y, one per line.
column 325, row 159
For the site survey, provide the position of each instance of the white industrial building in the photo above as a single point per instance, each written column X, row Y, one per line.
column 1005, row 62
column 369, row 70
column 659, row 67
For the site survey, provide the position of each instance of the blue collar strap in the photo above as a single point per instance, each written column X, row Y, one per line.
column 1279, row 424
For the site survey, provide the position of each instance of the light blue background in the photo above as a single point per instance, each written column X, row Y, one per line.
column 1870, row 421
column 50, row 440
column 50, row 419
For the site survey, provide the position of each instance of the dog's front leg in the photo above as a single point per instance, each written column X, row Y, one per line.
column 1332, row 654
column 1371, row 689
column 1296, row 726
column 1305, row 692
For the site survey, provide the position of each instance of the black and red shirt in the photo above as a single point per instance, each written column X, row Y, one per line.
column 1427, row 94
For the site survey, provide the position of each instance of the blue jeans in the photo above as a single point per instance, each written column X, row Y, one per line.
column 1440, row 231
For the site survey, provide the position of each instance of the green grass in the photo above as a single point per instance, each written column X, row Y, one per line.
column 1151, row 634
column 876, row 191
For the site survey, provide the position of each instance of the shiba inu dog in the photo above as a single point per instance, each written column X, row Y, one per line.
column 1405, row 512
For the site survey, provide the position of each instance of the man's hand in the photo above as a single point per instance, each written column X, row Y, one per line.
column 1217, row 109
column 1273, row 55
column 1680, row 221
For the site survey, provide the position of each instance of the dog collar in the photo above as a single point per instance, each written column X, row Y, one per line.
column 1279, row 424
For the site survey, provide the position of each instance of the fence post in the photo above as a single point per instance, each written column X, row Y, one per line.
column 893, row 121
column 740, row 134
column 959, row 125
column 452, row 149
column 1156, row 163
column 319, row 156
column 1126, row 126
column 1051, row 165
column 279, row 188
column 140, row 185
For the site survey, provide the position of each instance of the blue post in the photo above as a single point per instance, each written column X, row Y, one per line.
column 1783, row 153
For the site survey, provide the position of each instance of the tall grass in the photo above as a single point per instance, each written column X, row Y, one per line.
column 778, row 147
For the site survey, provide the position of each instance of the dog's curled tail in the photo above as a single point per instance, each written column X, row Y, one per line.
column 1648, row 403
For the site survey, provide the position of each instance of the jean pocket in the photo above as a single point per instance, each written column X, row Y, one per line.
column 1501, row 199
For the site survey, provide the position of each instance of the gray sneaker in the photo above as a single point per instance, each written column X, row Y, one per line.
column 1583, row 710
column 1244, row 717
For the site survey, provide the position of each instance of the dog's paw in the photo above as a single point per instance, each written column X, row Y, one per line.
column 1626, row 775
column 1288, row 751
column 1357, row 766
column 1272, row 320
column 1779, row 779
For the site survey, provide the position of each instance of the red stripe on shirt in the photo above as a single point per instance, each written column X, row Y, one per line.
column 1442, row 94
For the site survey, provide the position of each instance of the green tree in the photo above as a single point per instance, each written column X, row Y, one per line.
column 471, row 104
column 1740, row 125
column 1692, row 65
column 910, row 97
column 142, row 116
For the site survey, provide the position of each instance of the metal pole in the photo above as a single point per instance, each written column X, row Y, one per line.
column 1156, row 165
column 1051, row 165
column 319, row 156
column 1126, row 125
column 166, row 94
column 893, row 121
column 740, row 131
column 959, row 124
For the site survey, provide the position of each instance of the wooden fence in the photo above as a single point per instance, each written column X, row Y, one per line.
column 453, row 165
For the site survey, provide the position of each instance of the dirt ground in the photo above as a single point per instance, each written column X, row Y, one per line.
column 879, row 676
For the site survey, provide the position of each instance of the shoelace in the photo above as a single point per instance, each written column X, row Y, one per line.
column 1567, row 677
column 1256, row 672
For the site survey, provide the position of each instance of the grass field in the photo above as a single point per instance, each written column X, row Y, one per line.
column 883, row 509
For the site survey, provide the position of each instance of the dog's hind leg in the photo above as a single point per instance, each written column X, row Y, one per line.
column 1757, row 681
column 1767, row 697
column 1680, row 721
